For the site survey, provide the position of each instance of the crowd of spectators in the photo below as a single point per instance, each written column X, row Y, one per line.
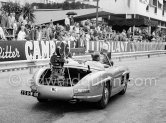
column 77, row 32
column 12, row 28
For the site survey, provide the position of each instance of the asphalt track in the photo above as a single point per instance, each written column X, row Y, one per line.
column 144, row 101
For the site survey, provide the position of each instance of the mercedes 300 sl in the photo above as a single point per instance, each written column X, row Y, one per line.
column 78, row 82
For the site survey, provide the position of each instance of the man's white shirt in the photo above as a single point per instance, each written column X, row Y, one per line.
column 21, row 35
column 67, row 21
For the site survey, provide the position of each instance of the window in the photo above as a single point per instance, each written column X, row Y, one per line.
column 147, row 8
column 159, row 5
column 154, row 2
column 155, row 10
column 164, row 6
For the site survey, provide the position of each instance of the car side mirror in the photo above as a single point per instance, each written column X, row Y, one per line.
column 89, row 69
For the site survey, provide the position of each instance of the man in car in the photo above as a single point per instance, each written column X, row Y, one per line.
column 106, row 58
column 95, row 61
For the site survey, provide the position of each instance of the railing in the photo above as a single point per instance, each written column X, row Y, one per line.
column 31, row 64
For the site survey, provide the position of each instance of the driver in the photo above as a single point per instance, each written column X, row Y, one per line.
column 106, row 58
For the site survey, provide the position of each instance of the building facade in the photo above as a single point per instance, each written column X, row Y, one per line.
column 129, row 9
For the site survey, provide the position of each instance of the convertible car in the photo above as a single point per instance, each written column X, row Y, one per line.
column 72, row 81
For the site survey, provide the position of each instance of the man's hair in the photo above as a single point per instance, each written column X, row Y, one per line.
column 70, row 55
column 95, row 56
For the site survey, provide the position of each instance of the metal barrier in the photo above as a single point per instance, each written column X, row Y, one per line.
column 31, row 64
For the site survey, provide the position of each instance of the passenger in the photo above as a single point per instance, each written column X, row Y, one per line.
column 95, row 61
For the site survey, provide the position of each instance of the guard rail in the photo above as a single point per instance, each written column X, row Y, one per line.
column 31, row 64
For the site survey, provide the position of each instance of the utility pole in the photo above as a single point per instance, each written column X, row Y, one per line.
column 97, row 13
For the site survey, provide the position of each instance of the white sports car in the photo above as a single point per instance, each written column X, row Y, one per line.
column 78, row 82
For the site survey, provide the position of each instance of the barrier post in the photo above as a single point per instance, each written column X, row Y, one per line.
column 31, row 70
column 31, row 66
column 119, row 58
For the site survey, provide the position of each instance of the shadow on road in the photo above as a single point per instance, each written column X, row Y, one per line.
column 66, row 107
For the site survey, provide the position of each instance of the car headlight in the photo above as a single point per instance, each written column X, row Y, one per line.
column 76, row 91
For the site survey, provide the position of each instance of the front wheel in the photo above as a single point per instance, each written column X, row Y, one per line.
column 105, row 97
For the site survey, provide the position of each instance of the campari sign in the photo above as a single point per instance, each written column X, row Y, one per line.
column 32, row 50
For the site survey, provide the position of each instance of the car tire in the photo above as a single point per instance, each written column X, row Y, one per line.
column 105, row 97
column 42, row 100
column 124, row 90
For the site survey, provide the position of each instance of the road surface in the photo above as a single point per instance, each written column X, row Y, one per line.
column 144, row 101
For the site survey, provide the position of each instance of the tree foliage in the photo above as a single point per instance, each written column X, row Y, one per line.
column 28, row 11
column 16, row 8
column 65, row 6
column 12, row 8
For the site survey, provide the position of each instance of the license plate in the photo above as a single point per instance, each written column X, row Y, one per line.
column 29, row 93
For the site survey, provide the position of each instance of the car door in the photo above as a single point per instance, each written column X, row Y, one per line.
column 116, row 84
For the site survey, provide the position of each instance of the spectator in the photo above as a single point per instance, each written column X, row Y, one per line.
column 7, row 20
column 32, row 33
column 21, row 34
column 15, row 26
column 10, row 21
column 67, row 23
column 72, row 20
column 13, row 19
column 21, row 18
column 39, row 34
column 71, row 23
column 2, row 35
column 44, row 32
column 4, row 19
column 25, row 21
column 50, row 32
column 77, row 28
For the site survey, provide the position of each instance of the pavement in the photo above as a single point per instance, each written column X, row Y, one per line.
column 144, row 101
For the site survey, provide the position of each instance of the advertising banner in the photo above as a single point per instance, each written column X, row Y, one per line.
column 31, row 50
column 119, row 46
column 12, row 50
